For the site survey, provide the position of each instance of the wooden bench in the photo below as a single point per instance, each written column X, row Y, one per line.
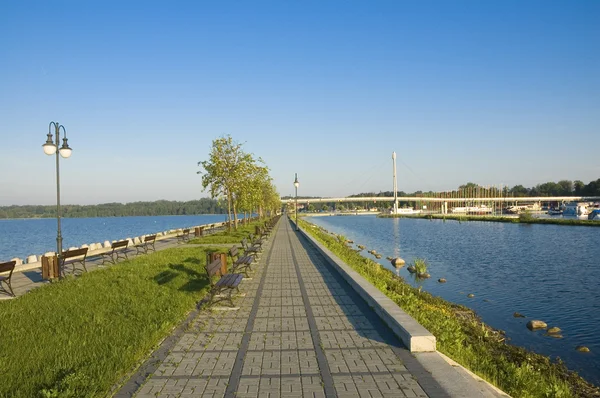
column 7, row 267
column 117, row 250
column 147, row 245
column 184, row 235
column 250, row 249
column 227, row 283
column 240, row 262
column 72, row 258
column 256, row 241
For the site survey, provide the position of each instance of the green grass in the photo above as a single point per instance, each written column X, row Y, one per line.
column 80, row 336
column 420, row 266
column 462, row 336
column 232, row 236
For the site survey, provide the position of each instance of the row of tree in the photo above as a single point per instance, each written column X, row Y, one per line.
column 157, row 208
column 240, row 179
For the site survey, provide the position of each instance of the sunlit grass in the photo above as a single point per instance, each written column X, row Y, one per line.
column 79, row 336
column 233, row 236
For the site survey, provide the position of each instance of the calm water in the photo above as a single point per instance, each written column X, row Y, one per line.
column 547, row 272
column 23, row 237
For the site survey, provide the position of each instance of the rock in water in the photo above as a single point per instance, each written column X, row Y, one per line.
column 424, row 275
column 554, row 330
column 535, row 324
column 442, row 280
column 582, row 348
column 378, row 256
column 554, row 335
column 397, row 262
column 518, row 315
column 470, row 295
column 411, row 269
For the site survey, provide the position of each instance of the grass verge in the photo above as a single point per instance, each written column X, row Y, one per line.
column 80, row 336
column 462, row 335
column 233, row 236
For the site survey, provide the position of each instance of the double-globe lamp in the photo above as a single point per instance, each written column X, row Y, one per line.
column 296, row 184
column 51, row 148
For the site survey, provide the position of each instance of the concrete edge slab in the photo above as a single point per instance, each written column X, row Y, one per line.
column 458, row 366
column 414, row 336
column 455, row 379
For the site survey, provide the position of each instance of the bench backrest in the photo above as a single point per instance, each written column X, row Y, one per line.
column 150, row 238
column 74, row 253
column 8, row 266
column 121, row 243
column 234, row 252
column 214, row 268
column 245, row 243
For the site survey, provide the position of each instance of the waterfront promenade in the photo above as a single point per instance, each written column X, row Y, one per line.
column 299, row 330
column 24, row 281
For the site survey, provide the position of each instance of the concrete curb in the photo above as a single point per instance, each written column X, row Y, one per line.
column 413, row 334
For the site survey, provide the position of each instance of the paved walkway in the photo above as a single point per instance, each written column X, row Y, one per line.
column 300, row 331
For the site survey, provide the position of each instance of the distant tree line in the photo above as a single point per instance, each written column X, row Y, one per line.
column 157, row 208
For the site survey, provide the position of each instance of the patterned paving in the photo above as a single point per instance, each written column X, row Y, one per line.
column 300, row 331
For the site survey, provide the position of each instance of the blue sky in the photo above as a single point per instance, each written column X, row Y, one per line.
column 494, row 92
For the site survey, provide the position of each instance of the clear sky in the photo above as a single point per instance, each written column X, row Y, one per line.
column 493, row 92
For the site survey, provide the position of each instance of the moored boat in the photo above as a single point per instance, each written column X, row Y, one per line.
column 594, row 215
column 575, row 209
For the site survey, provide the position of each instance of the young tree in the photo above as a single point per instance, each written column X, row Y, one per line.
column 226, row 170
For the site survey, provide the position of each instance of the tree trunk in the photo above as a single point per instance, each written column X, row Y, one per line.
column 235, row 220
column 229, row 210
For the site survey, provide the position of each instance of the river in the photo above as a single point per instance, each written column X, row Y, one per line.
column 546, row 272
column 23, row 237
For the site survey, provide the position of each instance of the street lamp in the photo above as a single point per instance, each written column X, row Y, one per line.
column 296, row 184
column 51, row 148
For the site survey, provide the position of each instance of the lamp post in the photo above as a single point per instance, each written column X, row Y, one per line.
column 296, row 184
column 51, row 148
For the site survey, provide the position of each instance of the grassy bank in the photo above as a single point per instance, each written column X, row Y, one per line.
column 230, row 236
column 80, row 336
column 462, row 336
column 521, row 220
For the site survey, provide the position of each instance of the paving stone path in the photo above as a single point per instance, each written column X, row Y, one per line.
column 300, row 331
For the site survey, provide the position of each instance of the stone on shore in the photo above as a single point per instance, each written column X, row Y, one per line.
column 536, row 324
column 31, row 259
column 17, row 260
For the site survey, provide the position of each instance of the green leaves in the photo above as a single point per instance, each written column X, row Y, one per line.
column 239, row 177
